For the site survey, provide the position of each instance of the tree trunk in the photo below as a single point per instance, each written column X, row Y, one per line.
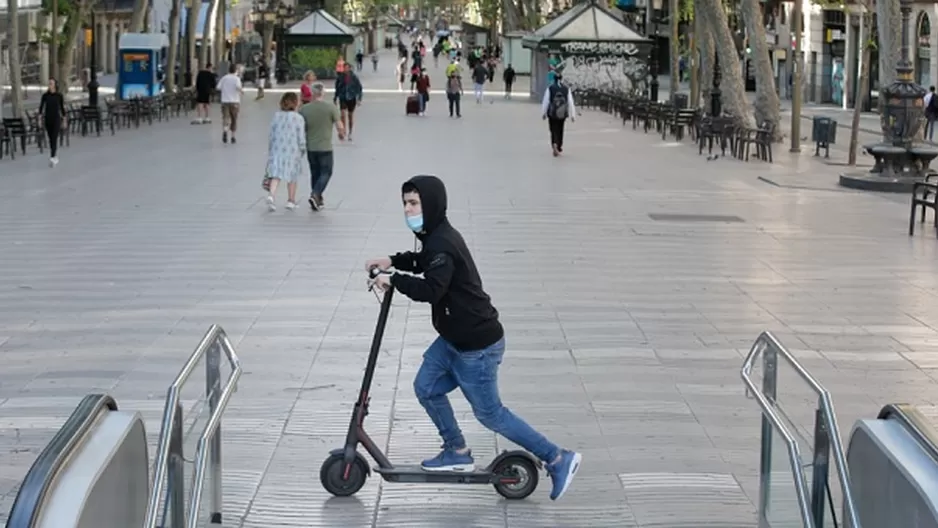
column 889, row 34
column 694, row 59
column 66, row 51
column 16, row 72
column 530, row 18
column 267, row 38
column 706, row 53
column 731, row 86
column 511, row 15
column 173, row 51
column 675, row 45
column 192, row 21
column 139, row 16
column 208, row 29
column 767, row 106
column 862, row 86
column 219, row 39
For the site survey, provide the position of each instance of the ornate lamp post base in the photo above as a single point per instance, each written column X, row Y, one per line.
column 901, row 158
column 895, row 170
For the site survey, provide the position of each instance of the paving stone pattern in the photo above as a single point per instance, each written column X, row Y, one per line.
column 625, row 333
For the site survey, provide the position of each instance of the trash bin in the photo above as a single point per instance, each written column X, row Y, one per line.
column 823, row 134
column 680, row 100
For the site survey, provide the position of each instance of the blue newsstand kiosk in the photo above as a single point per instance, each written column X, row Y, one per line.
column 139, row 63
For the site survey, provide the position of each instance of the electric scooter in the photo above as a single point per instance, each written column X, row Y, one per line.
column 514, row 474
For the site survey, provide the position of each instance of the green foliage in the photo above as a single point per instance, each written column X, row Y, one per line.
column 66, row 8
column 372, row 8
column 489, row 10
column 685, row 9
column 69, row 19
column 320, row 60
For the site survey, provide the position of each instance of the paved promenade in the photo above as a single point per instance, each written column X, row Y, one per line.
column 628, row 297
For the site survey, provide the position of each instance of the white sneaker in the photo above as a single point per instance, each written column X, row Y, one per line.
column 53, row 161
column 270, row 204
column 290, row 206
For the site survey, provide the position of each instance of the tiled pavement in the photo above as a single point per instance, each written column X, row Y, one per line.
column 625, row 333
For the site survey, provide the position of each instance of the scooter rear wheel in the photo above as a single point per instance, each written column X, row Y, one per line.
column 515, row 477
column 333, row 470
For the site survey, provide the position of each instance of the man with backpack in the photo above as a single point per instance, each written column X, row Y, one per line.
column 556, row 107
column 931, row 113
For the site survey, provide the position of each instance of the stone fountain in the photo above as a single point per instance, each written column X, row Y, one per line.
column 901, row 159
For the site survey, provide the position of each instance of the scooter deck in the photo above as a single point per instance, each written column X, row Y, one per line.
column 415, row 473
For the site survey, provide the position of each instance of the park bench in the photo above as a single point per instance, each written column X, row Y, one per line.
column 924, row 194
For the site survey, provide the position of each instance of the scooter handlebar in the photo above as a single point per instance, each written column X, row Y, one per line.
column 374, row 272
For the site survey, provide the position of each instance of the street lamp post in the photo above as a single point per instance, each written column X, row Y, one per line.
column 54, row 44
column 284, row 18
column 653, row 67
column 273, row 16
column 93, row 74
column 716, row 106
column 187, row 76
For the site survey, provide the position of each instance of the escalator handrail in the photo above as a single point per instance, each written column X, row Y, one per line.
column 32, row 493
column 915, row 423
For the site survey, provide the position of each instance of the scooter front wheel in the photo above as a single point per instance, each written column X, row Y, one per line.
column 333, row 477
column 515, row 477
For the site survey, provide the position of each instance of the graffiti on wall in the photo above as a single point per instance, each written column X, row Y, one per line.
column 612, row 73
column 598, row 48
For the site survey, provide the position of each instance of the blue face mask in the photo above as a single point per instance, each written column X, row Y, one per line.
column 415, row 223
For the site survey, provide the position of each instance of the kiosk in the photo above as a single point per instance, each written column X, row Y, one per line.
column 139, row 64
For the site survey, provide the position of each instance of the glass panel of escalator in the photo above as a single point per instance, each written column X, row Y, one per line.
column 197, row 415
column 781, row 507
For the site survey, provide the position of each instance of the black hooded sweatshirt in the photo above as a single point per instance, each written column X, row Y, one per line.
column 462, row 312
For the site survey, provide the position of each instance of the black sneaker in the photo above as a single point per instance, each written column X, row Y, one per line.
column 224, row 137
column 313, row 203
column 233, row 140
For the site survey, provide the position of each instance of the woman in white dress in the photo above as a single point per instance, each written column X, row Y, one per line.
column 286, row 150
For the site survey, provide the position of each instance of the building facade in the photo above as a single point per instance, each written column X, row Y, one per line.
column 832, row 42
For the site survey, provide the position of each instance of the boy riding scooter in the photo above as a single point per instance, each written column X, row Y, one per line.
column 471, row 343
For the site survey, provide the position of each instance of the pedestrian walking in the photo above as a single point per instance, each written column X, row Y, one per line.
column 286, row 148
column 52, row 114
column 556, row 107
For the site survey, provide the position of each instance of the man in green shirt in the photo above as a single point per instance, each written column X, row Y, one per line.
column 320, row 118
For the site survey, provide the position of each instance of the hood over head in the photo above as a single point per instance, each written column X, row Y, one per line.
column 432, row 200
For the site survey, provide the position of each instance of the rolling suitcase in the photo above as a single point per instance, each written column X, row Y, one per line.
column 413, row 105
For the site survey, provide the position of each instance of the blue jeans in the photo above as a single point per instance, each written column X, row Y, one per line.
column 422, row 99
column 477, row 88
column 320, row 170
column 475, row 372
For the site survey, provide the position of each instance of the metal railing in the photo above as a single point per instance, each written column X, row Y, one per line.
column 169, row 455
column 827, row 436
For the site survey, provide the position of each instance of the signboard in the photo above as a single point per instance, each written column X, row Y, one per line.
column 594, row 48
column 137, row 76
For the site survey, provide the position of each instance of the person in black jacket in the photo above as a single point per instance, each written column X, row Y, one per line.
column 471, row 343
column 52, row 110
column 509, row 77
